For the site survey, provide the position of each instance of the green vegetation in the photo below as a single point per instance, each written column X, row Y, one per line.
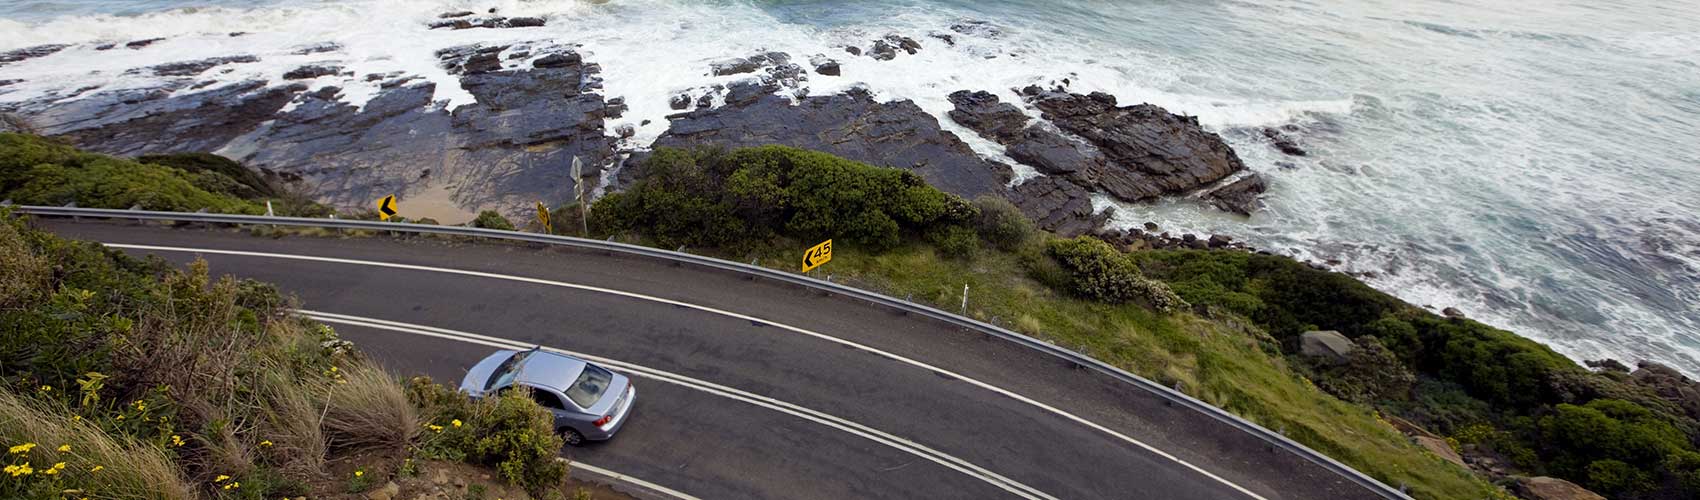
column 1512, row 395
column 124, row 378
column 715, row 198
column 1079, row 293
column 489, row 219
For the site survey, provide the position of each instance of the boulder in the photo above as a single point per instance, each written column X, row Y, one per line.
column 882, row 51
column 138, row 44
column 1440, row 448
column 318, row 48
column 679, row 101
column 1607, row 364
column 1552, row 488
column 1151, row 152
column 1452, row 313
column 1328, row 345
column 977, row 28
column 1240, row 196
column 1219, row 241
column 983, row 113
column 824, row 65
column 1670, row 384
column 388, row 492
column 908, row 45
column 1286, row 145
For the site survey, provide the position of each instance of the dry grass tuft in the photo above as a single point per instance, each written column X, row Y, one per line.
column 369, row 410
column 129, row 469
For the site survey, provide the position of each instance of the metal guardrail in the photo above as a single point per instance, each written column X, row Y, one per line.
column 1177, row 397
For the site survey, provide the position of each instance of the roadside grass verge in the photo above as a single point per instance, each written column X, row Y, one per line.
column 96, row 464
column 1207, row 358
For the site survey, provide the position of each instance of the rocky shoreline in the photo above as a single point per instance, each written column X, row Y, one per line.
column 540, row 104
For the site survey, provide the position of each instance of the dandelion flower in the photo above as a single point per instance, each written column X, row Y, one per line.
column 47, row 388
column 22, row 448
column 64, row 448
column 221, row 478
column 455, row 422
column 176, row 440
column 359, row 473
column 19, row 470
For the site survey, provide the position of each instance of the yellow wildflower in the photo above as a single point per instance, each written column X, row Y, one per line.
column 22, row 448
column 221, row 478
column 455, row 422
column 19, row 470
column 98, row 468
column 267, row 442
column 120, row 417
column 176, row 440
column 47, row 388
column 55, row 469
column 76, row 418
column 64, row 448
column 359, row 473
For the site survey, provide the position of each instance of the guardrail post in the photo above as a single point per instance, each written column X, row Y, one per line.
column 135, row 208
column 73, row 218
column 964, row 300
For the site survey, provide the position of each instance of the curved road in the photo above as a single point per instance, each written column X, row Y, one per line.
column 752, row 389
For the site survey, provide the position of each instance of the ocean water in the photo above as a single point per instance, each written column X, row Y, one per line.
column 1535, row 164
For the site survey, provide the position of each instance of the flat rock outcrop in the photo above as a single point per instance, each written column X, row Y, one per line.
column 1240, row 196
column 1552, row 488
column 852, row 125
column 512, row 147
column 12, row 56
column 1058, row 205
column 1151, row 151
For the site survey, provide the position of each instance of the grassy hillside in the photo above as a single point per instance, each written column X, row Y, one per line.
column 1221, row 325
column 122, row 378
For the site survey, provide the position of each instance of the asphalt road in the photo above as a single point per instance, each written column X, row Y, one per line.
column 790, row 393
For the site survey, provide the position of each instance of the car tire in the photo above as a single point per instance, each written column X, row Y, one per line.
column 571, row 437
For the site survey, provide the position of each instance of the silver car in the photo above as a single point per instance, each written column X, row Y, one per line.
column 589, row 402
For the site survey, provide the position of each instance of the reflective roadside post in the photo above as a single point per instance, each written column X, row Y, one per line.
column 578, row 196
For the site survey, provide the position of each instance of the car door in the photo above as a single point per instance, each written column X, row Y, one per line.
column 548, row 399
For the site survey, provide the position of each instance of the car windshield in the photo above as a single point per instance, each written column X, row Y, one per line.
column 506, row 371
column 588, row 389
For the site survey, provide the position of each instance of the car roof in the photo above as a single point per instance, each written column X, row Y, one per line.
column 549, row 370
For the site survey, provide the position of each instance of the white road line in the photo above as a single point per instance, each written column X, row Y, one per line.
column 1113, row 433
column 628, row 479
column 869, row 433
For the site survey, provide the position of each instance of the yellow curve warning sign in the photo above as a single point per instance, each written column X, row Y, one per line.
column 818, row 255
column 386, row 207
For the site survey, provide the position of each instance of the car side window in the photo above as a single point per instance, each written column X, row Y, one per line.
column 547, row 399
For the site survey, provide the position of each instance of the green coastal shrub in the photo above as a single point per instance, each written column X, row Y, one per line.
column 1003, row 225
column 38, row 171
column 509, row 432
column 1100, row 272
column 233, row 177
column 490, row 219
column 716, row 198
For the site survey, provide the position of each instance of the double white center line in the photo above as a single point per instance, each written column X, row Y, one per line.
column 875, row 435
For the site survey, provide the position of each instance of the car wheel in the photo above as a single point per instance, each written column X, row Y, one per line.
column 571, row 437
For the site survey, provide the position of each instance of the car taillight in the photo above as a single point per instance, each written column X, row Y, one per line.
column 605, row 418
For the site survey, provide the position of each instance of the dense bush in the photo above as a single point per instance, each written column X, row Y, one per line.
column 715, row 198
column 214, row 170
column 1559, row 418
column 1371, row 373
column 1002, row 224
column 510, row 432
column 38, row 171
column 489, row 219
column 1100, row 272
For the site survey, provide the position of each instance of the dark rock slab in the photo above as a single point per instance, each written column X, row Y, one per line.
column 192, row 68
column 1058, row 205
column 311, row 71
column 1283, row 143
column 138, row 44
column 455, row 14
column 1240, row 196
column 1150, row 150
column 495, row 22
column 852, row 125
column 977, row 28
column 151, row 120
column 318, row 48
column 739, row 65
column 12, row 56
column 1053, row 154
column 982, row 112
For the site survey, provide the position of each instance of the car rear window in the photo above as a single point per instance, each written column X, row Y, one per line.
column 591, row 383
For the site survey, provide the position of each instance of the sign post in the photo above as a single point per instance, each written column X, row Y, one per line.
column 816, row 256
column 578, row 196
column 386, row 207
column 543, row 218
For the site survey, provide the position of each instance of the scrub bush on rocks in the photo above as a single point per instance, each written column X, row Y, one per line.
column 509, row 432
column 1002, row 224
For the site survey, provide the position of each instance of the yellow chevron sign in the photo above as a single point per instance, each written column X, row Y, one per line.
column 386, row 207
column 543, row 217
column 817, row 255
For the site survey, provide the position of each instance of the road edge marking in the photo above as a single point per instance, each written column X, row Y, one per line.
column 616, row 477
column 893, row 356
